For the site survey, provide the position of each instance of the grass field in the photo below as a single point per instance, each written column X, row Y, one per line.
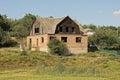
column 43, row 66
column 28, row 74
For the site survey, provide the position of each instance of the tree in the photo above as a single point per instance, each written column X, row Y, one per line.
column 22, row 26
column 27, row 22
column 20, row 31
column 118, row 31
column 90, row 26
column 4, row 23
column 14, row 28
column 57, row 47
column 105, row 37
column 5, row 39
column 51, row 17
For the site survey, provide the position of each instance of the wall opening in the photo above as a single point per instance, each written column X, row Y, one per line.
column 73, row 29
column 42, row 39
column 36, row 30
column 52, row 37
column 37, row 42
column 60, row 29
column 64, row 39
column 78, row 39
column 30, row 43
column 67, row 29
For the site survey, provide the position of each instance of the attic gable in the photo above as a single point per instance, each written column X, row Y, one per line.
column 48, row 25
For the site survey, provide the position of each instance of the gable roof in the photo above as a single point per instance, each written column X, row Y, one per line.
column 49, row 25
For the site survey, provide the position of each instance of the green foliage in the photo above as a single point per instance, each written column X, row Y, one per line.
column 90, row 26
column 105, row 37
column 4, row 23
column 20, row 31
column 23, row 53
column 22, row 26
column 5, row 38
column 57, row 47
column 118, row 31
column 14, row 28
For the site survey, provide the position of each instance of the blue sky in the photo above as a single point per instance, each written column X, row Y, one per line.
column 98, row 12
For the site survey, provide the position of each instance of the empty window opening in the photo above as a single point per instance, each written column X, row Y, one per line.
column 37, row 42
column 52, row 37
column 60, row 29
column 64, row 39
column 67, row 29
column 78, row 39
column 30, row 43
column 73, row 29
column 36, row 30
column 42, row 39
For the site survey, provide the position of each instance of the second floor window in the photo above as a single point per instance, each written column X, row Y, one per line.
column 73, row 29
column 36, row 30
column 67, row 29
column 60, row 29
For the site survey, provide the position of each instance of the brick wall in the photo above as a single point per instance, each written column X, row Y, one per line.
column 73, row 46
column 37, row 43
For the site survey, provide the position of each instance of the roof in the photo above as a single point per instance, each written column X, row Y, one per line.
column 49, row 25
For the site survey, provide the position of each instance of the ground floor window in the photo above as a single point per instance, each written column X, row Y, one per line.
column 42, row 39
column 78, row 39
column 52, row 37
column 30, row 43
column 64, row 39
column 37, row 42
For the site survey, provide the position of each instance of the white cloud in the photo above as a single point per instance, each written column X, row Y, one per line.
column 116, row 13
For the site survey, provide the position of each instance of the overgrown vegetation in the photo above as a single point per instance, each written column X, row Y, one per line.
column 14, row 28
column 57, row 47
column 94, row 64
column 105, row 37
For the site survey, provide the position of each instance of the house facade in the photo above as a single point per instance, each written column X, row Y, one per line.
column 64, row 29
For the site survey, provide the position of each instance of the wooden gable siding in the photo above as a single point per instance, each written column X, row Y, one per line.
column 67, row 23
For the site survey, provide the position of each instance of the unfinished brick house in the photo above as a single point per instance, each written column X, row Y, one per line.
column 64, row 29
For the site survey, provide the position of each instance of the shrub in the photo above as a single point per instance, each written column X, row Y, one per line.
column 57, row 47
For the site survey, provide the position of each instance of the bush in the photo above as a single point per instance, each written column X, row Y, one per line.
column 57, row 47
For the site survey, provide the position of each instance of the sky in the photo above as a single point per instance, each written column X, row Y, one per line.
column 97, row 12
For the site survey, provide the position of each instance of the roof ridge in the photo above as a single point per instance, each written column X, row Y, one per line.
column 51, row 18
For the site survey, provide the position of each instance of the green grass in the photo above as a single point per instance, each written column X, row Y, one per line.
column 43, row 66
column 30, row 74
column 25, row 74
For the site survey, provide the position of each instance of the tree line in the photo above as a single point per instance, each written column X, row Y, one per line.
column 104, row 37
column 18, row 28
